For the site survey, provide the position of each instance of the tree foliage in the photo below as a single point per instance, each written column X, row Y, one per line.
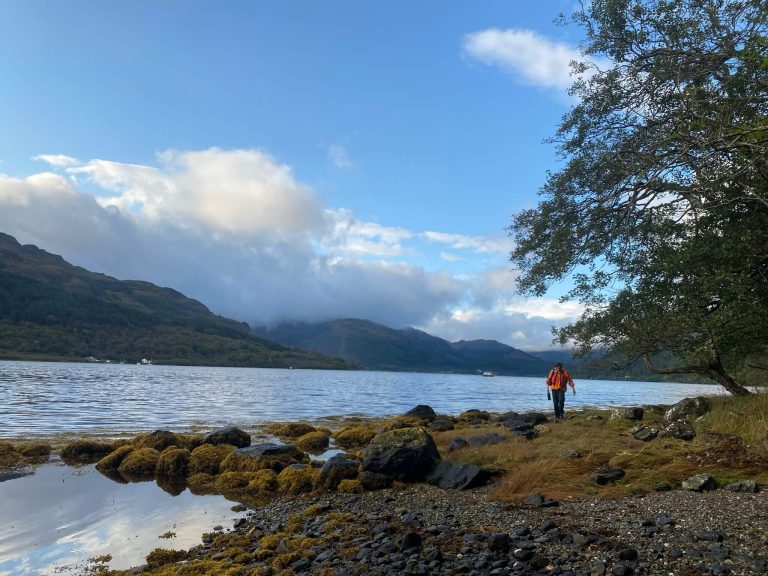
column 660, row 210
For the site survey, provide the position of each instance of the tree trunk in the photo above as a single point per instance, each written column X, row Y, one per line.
column 714, row 371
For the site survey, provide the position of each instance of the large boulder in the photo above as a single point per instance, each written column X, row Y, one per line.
column 627, row 413
column 680, row 429
column 408, row 454
column 688, row 408
column 337, row 468
column 261, row 456
column 228, row 435
column 422, row 411
column 458, row 476
column 699, row 483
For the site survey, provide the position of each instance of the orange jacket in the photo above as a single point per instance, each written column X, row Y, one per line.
column 558, row 380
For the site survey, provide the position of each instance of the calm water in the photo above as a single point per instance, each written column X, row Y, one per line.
column 46, row 398
column 53, row 521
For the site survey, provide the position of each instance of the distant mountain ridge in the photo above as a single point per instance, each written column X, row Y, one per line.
column 378, row 347
column 50, row 309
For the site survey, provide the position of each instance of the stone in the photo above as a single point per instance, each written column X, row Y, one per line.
column 687, row 408
column 422, row 411
column 228, row 435
column 458, row 476
column 680, row 429
column 457, row 444
column 699, row 483
column 627, row 413
column 374, row 480
column 709, row 536
column 408, row 454
column 628, row 554
column 573, row 454
column 644, row 433
column 441, row 425
column 743, row 486
column 533, row 418
column 485, row 439
column 337, row 468
column 607, row 474
column 410, row 540
column 263, row 455
column 498, row 542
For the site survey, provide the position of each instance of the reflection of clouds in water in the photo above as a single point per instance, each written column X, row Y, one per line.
column 61, row 516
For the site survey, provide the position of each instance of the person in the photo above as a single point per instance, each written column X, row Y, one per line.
column 558, row 381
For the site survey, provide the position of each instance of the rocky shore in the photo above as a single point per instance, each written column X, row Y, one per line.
column 423, row 529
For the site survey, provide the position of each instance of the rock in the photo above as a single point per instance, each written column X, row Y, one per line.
column 607, row 474
column 662, row 486
column 644, row 433
column 408, row 454
column 228, row 435
column 631, row 413
column 699, row 483
column 410, row 540
column 498, row 542
column 628, row 554
column 474, row 414
column 574, row 454
column 709, row 536
column 263, row 455
column 680, row 429
column 422, row 411
column 441, row 425
column 687, row 408
column 539, row 501
column 337, row 468
column 458, row 476
column 457, row 444
column 374, row 480
column 485, row 439
column 743, row 486
column 533, row 418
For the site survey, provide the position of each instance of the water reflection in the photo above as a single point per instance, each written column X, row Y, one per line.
column 45, row 398
column 58, row 518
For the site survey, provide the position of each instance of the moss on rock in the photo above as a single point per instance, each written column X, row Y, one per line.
column 85, row 452
column 173, row 463
column 316, row 441
column 207, row 458
column 140, row 463
column 290, row 429
column 202, row 483
column 354, row 437
column 113, row 460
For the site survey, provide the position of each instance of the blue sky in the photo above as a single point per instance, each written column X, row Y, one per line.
column 289, row 160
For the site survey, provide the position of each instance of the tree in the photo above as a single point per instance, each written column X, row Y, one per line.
column 660, row 210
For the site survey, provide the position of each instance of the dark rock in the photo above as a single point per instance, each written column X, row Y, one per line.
column 518, row 426
column 422, row 411
column 581, row 540
column 498, row 542
column 663, row 486
column 457, row 444
column 622, row 570
column 458, row 476
column 374, row 480
column 533, row 418
column 485, row 439
column 628, row 554
column 607, row 474
column 743, row 486
column 624, row 413
column 523, row 530
column 269, row 454
column 337, row 468
column 410, row 540
column 228, row 435
column 408, row 454
column 680, row 429
column 523, row 554
column 709, row 536
column 441, row 425
column 699, row 483
column 534, row 501
column 547, row 525
column 687, row 408
column 645, row 433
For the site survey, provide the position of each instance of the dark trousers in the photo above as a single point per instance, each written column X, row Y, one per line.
column 558, row 399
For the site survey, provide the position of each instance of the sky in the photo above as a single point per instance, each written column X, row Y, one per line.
column 291, row 161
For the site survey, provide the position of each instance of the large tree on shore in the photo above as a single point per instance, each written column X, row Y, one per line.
column 660, row 210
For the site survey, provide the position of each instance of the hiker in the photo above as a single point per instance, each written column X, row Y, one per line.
column 557, row 382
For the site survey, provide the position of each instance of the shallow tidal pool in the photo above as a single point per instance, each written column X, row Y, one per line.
column 55, row 520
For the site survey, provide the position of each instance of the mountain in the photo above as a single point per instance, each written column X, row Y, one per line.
column 379, row 347
column 50, row 309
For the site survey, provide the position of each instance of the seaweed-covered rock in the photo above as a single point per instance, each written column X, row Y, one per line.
column 408, row 454
column 173, row 463
column 140, row 463
column 337, row 468
column 207, row 458
column 85, row 452
column 231, row 435
column 296, row 479
column 422, row 411
column 291, row 429
column 354, row 437
column 263, row 455
column 473, row 415
column 316, row 441
column 9, row 455
column 688, row 408
column 36, row 452
column 112, row 461
column 159, row 440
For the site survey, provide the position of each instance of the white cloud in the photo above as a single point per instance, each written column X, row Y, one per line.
column 57, row 160
column 479, row 244
column 530, row 57
column 339, row 156
column 350, row 236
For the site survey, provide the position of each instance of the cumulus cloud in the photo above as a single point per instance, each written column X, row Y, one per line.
column 57, row 159
column 339, row 156
column 236, row 230
column 530, row 57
